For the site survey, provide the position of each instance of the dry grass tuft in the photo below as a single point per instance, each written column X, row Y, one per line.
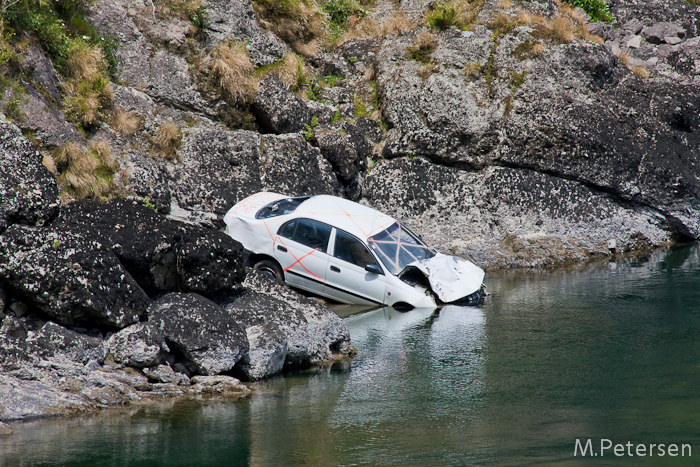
column 290, row 71
column 472, row 70
column 125, row 123
column 641, row 71
column 50, row 164
column 87, row 91
column 562, row 29
column 86, row 173
column 425, row 40
column 527, row 17
column 168, row 139
column 623, row 58
column 232, row 68
column 370, row 28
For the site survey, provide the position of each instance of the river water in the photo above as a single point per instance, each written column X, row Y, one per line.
column 608, row 352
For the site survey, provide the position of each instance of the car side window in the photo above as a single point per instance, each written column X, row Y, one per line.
column 350, row 249
column 307, row 232
column 287, row 230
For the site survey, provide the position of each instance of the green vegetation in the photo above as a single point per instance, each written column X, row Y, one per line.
column 308, row 131
column 342, row 13
column 598, row 10
column 336, row 117
column 442, row 16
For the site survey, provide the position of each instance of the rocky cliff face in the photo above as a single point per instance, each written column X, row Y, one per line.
column 517, row 134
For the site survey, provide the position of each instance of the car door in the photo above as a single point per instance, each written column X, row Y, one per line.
column 347, row 280
column 301, row 249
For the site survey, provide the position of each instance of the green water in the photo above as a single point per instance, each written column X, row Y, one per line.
column 608, row 352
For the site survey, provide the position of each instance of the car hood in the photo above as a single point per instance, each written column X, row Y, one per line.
column 450, row 277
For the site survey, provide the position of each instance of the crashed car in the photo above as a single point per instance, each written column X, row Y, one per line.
column 348, row 253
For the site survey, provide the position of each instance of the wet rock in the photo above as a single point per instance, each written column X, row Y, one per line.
column 139, row 345
column 278, row 110
column 218, row 385
column 202, row 332
column 71, row 278
column 28, row 191
column 285, row 326
column 236, row 18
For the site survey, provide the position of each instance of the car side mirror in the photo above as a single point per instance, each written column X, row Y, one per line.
column 374, row 269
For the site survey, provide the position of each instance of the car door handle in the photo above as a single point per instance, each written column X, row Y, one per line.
column 281, row 248
column 335, row 269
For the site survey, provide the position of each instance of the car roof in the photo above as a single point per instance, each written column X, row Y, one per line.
column 361, row 221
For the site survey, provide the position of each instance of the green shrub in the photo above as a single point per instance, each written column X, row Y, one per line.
column 598, row 10
column 340, row 12
column 443, row 16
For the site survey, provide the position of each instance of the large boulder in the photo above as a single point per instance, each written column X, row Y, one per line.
column 79, row 347
column 69, row 276
column 161, row 254
column 277, row 109
column 139, row 345
column 290, row 165
column 284, row 328
column 28, row 191
column 206, row 336
column 574, row 112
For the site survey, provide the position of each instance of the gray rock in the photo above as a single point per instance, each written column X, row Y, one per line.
column 505, row 217
column 206, row 336
column 323, row 112
column 139, row 345
column 236, row 18
column 359, row 51
column 217, row 168
column 290, row 165
column 146, row 179
column 218, row 385
column 165, row 374
column 660, row 32
column 35, row 63
column 28, row 191
column 333, row 64
column 5, row 429
column 161, row 254
column 53, row 340
column 276, row 317
column 634, row 26
column 277, row 109
column 71, row 278
column 635, row 42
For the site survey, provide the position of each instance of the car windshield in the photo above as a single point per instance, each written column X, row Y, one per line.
column 397, row 247
column 280, row 207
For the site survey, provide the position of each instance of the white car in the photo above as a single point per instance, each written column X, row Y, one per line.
column 348, row 252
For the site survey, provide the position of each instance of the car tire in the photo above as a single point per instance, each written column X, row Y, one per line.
column 271, row 268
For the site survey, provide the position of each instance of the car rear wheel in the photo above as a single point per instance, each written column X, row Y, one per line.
column 270, row 268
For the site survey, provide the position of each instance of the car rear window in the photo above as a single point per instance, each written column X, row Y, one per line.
column 280, row 207
column 307, row 232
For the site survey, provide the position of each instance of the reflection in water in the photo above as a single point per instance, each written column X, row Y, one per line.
column 604, row 352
